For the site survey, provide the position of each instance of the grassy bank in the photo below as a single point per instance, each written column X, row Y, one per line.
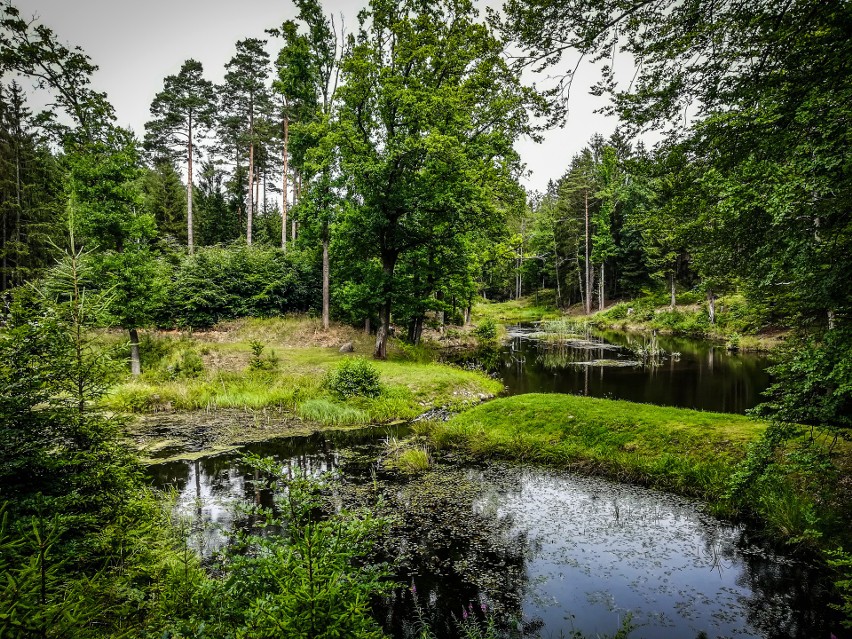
column 797, row 489
column 532, row 308
column 273, row 375
column 687, row 451
column 738, row 325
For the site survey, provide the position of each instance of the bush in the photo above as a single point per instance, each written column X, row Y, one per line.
column 217, row 284
column 354, row 377
column 487, row 329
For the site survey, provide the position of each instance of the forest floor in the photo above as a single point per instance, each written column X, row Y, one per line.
column 254, row 379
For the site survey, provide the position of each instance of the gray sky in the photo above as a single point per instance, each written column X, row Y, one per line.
column 136, row 44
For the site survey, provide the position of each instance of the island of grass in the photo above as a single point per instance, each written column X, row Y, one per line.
column 687, row 451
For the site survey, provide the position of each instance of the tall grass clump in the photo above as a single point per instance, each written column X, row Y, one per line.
column 329, row 413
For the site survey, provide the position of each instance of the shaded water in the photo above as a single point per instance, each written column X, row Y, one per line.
column 690, row 374
column 556, row 552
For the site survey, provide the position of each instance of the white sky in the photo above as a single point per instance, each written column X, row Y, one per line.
column 136, row 44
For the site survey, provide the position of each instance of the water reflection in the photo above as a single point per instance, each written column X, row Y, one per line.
column 699, row 375
column 556, row 551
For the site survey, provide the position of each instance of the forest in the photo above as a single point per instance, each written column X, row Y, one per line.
column 359, row 190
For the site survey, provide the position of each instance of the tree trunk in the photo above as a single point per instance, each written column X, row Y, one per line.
column 284, row 189
column 388, row 266
column 831, row 320
column 325, row 283
column 250, row 209
column 602, row 294
column 190, row 239
column 588, row 271
column 674, row 300
column 367, row 326
column 135, row 365
column 711, row 306
column 556, row 269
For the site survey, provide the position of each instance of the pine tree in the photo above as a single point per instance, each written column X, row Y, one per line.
column 182, row 112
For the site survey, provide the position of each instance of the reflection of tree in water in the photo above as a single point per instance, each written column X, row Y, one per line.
column 788, row 600
column 452, row 552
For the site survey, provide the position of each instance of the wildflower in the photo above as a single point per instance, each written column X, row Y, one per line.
column 464, row 614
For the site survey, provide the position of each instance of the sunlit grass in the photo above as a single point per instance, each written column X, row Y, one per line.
column 689, row 451
column 330, row 413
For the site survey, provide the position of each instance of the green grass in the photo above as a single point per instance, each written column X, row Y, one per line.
column 516, row 311
column 330, row 413
column 687, row 451
column 409, row 387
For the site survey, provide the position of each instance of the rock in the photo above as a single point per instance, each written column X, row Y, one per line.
column 348, row 347
column 630, row 311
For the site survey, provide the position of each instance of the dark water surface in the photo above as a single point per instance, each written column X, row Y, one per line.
column 690, row 374
column 553, row 551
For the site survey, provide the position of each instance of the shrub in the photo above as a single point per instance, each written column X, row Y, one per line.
column 487, row 329
column 354, row 377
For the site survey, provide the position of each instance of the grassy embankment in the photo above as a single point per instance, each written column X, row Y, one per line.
column 738, row 324
column 685, row 451
column 237, row 392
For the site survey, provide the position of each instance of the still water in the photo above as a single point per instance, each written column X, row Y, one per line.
column 550, row 552
column 689, row 373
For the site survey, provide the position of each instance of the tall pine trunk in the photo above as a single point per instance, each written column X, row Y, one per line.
column 250, row 211
column 284, row 189
column 190, row 239
column 588, row 271
column 602, row 295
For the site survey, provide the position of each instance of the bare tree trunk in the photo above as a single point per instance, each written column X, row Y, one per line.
column 250, row 210
column 711, row 306
column 831, row 320
column 367, row 326
column 297, row 196
column 674, row 300
column 284, row 189
column 190, row 237
column 588, row 271
column 135, row 365
column 5, row 276
column 602, row 294
column 556, row 268
column 325, row 282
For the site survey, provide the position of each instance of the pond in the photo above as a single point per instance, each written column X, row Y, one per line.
column 688, row 373
column 550, row 551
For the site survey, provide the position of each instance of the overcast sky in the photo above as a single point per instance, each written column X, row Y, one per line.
column 137, row 43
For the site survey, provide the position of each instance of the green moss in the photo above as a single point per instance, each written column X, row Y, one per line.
column 691, row 452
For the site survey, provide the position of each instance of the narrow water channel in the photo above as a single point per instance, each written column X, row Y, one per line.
column 552, row 552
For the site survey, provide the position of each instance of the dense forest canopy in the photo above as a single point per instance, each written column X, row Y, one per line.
column 371, row 177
